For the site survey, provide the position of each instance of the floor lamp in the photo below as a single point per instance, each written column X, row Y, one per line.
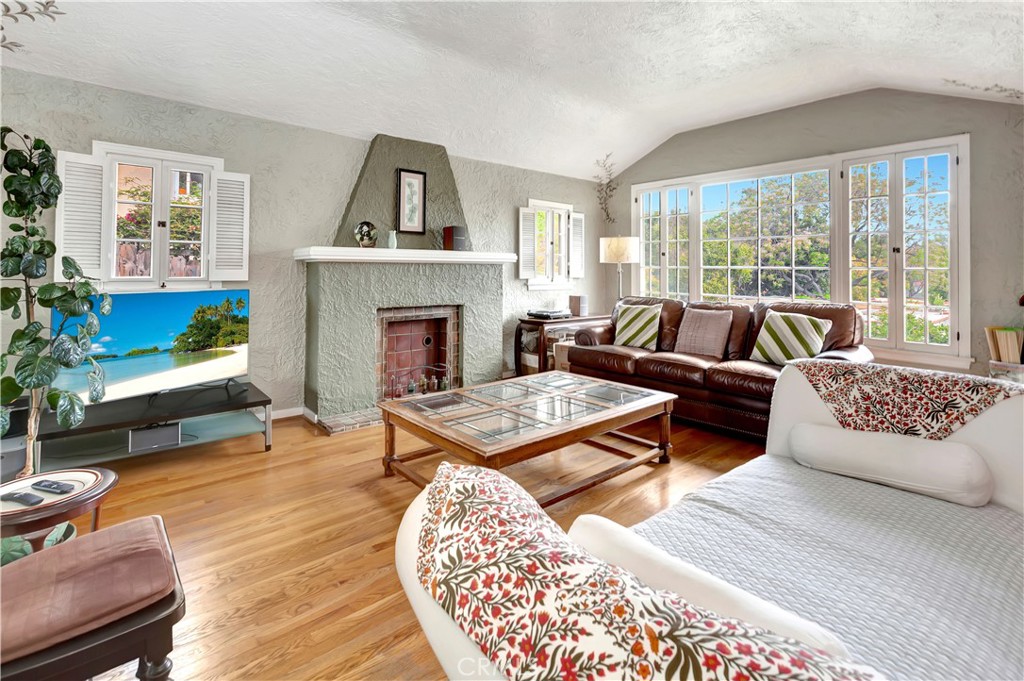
column 620, row 250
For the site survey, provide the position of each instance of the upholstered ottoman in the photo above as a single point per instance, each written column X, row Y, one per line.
column 81, row 608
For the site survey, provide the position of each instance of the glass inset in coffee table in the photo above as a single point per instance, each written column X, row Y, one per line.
column 498, row 424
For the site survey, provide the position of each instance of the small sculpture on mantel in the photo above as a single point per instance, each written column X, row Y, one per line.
column 366, row 234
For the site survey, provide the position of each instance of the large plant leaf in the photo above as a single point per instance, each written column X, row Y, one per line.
column 51, row 291
column 13, row 548
column 33, row 266
column 106, row 304
column 70, row 267
column 84, row 341
column 92, row 324
column 71, row 305
column 70, row 410
column 34, row 347
column 44, row 247
column 22, row 337
column 10, row 266
column 84, row 289
column 36, row 371
column 67, row 351
column 97, row 389
column 5, row 420
column 18, row 245
column 15, row 160
column 9, row 297
column 3, row 363
column 9, row 390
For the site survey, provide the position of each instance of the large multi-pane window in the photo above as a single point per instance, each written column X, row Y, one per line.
column 902, row 233
column 665, row 243
column 875, row 229
column 160, row 221
column 766, row 238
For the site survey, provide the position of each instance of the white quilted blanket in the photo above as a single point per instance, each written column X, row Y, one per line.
column 916, row 587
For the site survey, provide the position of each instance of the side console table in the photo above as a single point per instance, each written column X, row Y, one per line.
column 541, row 358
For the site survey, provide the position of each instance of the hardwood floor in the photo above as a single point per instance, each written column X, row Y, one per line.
column 287, row 557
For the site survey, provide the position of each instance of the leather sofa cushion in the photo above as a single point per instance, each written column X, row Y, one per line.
column 617, row 359
column 675, row 367
column 847, row 326
column 671, row 315
column 744, row 377
column 736, row 346
column 77, row 587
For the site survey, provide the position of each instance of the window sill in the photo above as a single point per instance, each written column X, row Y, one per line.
column 548, row 286
column 926, row 360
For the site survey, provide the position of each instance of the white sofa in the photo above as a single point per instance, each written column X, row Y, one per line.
column 912, row 585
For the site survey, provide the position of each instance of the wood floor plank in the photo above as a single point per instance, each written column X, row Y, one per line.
column 287, row 557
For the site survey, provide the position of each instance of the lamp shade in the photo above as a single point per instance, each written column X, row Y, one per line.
column 620, row 249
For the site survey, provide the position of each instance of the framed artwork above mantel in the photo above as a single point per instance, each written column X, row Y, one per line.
column 411, row 211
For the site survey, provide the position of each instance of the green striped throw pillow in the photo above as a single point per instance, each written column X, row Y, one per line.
column 786, row 335
column 637, row 326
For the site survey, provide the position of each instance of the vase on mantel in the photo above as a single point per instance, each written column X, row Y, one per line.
column 366, row 234
column 392, row 239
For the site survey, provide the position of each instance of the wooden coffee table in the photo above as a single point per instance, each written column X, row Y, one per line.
column 498, row 424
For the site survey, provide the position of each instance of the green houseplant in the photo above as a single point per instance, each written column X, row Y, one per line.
column 36, row 352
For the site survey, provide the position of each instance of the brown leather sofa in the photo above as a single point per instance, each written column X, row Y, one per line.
column 730, row 392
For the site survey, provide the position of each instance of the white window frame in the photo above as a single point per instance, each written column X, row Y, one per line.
column 163, row 162
column 550, row 281
column 958, row 354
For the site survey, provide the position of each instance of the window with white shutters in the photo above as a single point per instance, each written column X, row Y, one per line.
column 551, row 245
column 138, row 218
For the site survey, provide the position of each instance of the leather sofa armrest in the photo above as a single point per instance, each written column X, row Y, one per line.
column 603, row 334
column 851, row 353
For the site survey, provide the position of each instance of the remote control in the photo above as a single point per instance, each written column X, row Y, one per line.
column 23, row 498
column 53, row 486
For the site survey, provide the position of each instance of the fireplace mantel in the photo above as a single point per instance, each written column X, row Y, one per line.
column 400, row 255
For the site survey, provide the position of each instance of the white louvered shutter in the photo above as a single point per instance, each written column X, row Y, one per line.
column 229, row 227
column 79, row 230
column 527, row 243
column 576, row 245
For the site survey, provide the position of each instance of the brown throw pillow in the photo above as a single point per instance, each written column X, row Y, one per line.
column 704, row 332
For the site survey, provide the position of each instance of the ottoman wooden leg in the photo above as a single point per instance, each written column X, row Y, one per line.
column 158, row 669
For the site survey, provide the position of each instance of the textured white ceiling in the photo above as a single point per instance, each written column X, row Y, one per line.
column 544, row 86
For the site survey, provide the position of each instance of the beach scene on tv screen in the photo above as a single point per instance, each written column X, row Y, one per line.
column 161, row 341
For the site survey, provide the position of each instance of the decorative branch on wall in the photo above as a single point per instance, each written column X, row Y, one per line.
column 16, row 11
column 996, row 89
column 606, row 186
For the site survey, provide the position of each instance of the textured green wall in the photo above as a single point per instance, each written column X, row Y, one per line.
column 301, row 182
column 375, row 195
column 342, row 300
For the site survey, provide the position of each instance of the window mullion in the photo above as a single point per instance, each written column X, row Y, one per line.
column 897, row 312
column 696, row 263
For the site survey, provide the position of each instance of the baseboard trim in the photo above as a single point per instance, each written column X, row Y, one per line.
column 286, row 413
column 310, row 415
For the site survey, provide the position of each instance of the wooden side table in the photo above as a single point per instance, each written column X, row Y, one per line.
column 35, row 522
column 543, row 327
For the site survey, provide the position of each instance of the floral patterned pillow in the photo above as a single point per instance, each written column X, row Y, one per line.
column 540, row 607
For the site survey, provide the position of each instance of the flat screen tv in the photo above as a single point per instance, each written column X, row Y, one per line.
column 163, row 340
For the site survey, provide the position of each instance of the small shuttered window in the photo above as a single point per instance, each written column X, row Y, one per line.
column 142, row 217
column 551, row 245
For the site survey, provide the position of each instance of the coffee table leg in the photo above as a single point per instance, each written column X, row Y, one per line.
column 95, row 519
column 389, row 445
column 665, row 441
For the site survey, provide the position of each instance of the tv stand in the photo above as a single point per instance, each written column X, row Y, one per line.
column 206, row 414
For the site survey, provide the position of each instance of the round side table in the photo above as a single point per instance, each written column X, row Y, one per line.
column 34, row 522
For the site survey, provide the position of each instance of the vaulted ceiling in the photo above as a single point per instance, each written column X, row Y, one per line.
column 545, row 86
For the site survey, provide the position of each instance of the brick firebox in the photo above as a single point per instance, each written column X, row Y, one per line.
column 417, row 341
